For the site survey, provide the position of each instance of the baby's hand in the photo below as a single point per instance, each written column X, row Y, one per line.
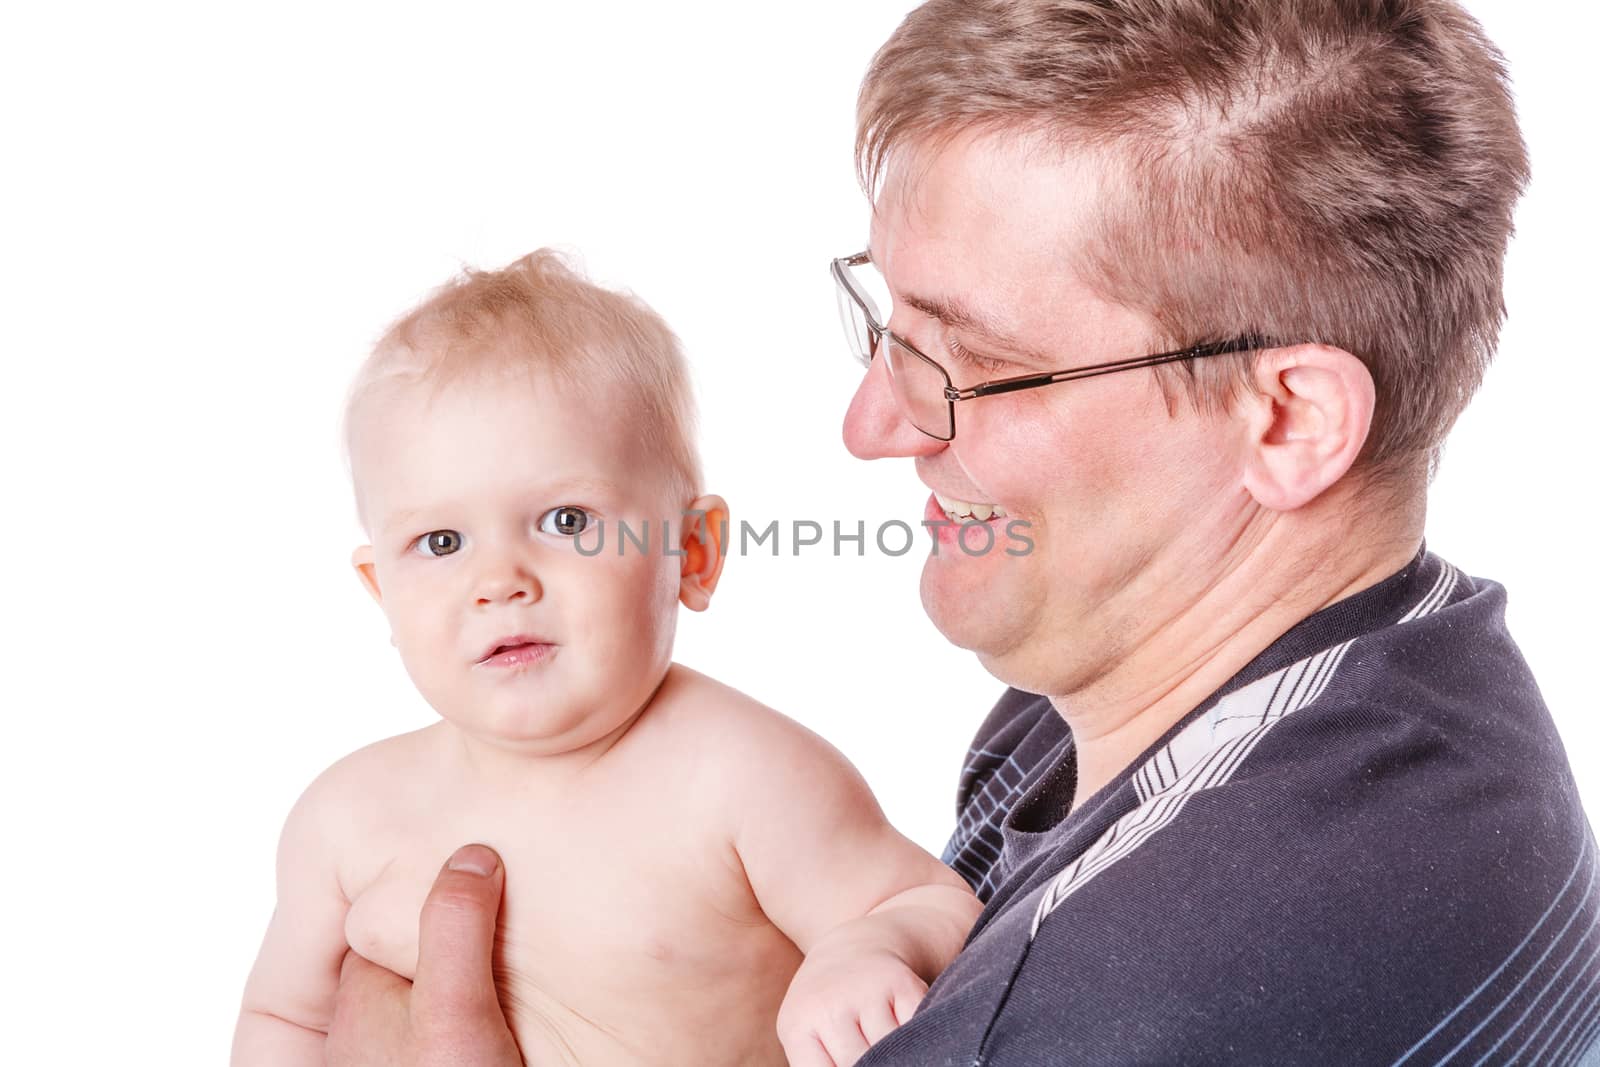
column 851, row 990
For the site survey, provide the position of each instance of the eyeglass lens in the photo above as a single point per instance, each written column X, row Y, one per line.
column 917, row 383
column 919, row 387
column 856, row 329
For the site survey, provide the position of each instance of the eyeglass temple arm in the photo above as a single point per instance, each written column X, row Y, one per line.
column 1029, row 381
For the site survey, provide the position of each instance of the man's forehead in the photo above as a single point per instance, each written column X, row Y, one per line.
column 982, row 215
column 996, row 184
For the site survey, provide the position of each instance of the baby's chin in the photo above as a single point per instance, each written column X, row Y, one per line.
column 541, row 735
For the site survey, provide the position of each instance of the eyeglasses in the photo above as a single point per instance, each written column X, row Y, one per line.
column 923, row 388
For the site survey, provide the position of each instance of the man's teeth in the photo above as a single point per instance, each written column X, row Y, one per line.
column 960, row 510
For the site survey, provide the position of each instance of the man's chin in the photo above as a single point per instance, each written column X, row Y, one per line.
column 967, row 619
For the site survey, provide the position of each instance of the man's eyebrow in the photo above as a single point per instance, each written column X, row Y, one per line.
column 952, row 312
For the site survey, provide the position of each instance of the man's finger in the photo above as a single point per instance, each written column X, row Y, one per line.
column 360, row 977
column 455, row 948
column 368, row 1009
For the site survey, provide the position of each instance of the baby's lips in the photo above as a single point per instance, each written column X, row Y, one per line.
column 511, row 641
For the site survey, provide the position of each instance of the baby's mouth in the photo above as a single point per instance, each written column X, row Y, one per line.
column 524, row 643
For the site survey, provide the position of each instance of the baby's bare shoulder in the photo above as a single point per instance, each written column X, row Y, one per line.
column 713, row 712
column 370, row 776
column 363, row 792
column 365, row 809
column 731, row 734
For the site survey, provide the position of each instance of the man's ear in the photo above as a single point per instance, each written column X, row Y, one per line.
column 1310, row 416
column 705, row 548
column 367, row 571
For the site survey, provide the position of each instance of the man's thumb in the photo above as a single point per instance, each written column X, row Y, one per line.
column 455, row 947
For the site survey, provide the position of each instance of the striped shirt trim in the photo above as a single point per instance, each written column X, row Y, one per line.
column 1207, row 753
column 975, row 847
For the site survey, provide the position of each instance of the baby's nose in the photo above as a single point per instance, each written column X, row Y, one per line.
column 509, row 584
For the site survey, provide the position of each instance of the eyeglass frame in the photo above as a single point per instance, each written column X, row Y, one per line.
column 1016, row 383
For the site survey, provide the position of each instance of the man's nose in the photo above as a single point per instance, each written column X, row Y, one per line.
column 506, row 578
column 874, row 425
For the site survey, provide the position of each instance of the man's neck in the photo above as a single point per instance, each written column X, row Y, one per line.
column 1282, row 570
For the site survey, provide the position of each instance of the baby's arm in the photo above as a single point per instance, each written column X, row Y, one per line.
column 288, row 999
column 877, row 917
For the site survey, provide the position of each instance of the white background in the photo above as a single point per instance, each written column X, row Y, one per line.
column 210, row 211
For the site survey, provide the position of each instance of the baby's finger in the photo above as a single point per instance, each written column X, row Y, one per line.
column 908, row 997
column 845, row 1043
column 805, row 1050
column 877, row 1019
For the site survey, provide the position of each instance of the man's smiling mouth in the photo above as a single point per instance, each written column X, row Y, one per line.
column 962, row 511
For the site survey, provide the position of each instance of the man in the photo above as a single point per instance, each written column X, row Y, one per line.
column 1288, row 793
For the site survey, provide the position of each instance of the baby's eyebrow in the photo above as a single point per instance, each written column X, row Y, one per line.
column 582, row 485
column 553, row 492
column 399, row 518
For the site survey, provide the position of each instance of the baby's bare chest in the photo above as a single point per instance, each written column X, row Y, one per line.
column 575, row 890
column 621, row 940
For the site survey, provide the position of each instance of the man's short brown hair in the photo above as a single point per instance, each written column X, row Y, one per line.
column 1336, row 171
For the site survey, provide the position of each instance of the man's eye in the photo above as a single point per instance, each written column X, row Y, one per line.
column 439, row 543
column 971, row 359
column 567, row 520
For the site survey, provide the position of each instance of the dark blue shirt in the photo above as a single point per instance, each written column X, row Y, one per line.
column 1366, row 847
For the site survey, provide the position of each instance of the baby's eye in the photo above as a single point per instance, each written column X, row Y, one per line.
column 567, row 520
column 439, row 543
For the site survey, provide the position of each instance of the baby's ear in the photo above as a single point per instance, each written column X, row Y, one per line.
column 705, row 548
column 367, row 571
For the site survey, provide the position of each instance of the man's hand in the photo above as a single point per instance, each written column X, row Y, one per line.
column 451, row 1017
column 851, row 990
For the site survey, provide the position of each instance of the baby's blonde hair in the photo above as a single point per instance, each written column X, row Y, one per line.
column 538, row 320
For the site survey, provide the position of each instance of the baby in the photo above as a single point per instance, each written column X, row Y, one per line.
column 675, row 852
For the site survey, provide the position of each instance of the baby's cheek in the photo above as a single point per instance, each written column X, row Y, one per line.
column 637, row 614
column 645, row 583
